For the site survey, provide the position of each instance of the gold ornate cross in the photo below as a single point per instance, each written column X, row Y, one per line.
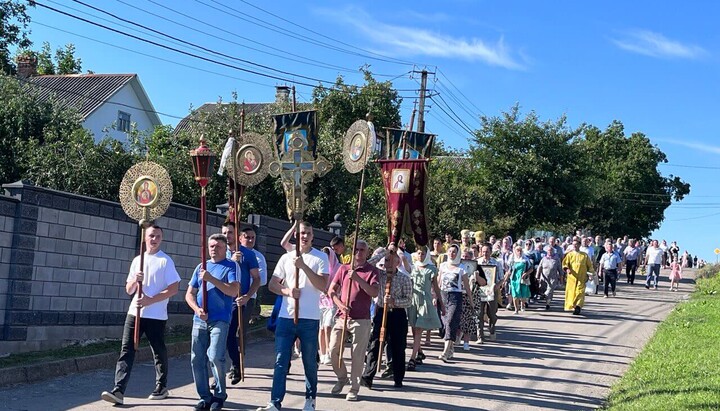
column 296, row 168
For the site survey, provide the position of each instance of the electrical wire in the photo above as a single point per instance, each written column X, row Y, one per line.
column 206, row 49
column 281, row 30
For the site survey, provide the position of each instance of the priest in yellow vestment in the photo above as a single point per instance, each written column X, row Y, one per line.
column 576, row 265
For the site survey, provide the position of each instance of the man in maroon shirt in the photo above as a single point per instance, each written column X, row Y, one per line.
column 364, row 288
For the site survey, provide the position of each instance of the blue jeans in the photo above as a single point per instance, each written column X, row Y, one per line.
column 208, row 344
column 285, row 335
column 654, row 273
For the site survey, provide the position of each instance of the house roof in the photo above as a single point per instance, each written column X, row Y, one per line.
column 87, row 92
column 187, row 123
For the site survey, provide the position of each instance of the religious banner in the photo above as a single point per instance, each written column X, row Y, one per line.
column 302, row 124
column 409, row 145
column 405, row 186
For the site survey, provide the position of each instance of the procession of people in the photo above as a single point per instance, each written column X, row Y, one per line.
column 420, row 295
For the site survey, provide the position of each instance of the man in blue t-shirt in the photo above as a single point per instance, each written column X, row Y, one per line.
column 249, row 269
column 210, row 325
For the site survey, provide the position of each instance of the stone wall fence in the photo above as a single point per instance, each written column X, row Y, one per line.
column 64, row 260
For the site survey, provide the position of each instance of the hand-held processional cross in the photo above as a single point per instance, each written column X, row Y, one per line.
column 297, row 166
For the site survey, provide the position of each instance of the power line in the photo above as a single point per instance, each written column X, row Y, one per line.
column 299, row 59
column 174, row 49
column 281, row 30
column 459, row 91
column 454, row 117
column 695, row 218
column 197, row 45
column 153, row 56
column 690, row 166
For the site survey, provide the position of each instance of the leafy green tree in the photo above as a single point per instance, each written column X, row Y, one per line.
column 14, row 31
column 66, row 61
column 528, row 172
column 45, row 64
column 627, row 195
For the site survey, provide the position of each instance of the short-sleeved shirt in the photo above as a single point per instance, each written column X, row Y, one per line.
column 451, row 278
column 309, row 295
column 159, row 273
column 360, row 301
column 632, row 253
column 219, row 306
column 610, row 261
column 654, row 255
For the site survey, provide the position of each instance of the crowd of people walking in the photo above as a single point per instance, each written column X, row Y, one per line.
column 327, row 298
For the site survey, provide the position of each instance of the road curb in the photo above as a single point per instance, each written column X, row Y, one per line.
column 24, row 374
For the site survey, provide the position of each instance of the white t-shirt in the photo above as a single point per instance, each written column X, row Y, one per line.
column 654, row 255
column 159, row 273
column 309, row 295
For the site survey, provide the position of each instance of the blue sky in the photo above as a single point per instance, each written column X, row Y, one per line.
column 651, row 65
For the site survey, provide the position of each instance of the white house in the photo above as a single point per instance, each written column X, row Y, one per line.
column 109, row 104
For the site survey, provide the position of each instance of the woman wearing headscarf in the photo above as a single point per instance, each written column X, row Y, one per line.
column 519, row 278
column 471, row 300
column 453, row 280
column 422, row 314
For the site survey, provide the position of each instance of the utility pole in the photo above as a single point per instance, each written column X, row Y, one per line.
column 421, row 108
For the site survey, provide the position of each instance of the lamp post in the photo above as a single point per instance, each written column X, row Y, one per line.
column 202, row 161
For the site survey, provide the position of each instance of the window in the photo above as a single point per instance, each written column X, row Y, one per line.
column 123, row 121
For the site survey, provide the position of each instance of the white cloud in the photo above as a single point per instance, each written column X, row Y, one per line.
column 691, row 144
column 654, row 44
column 411, row 41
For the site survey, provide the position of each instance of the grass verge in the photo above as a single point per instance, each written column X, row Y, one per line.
column 679, row 369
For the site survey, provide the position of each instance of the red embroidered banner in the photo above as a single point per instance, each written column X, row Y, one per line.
column 405, row 186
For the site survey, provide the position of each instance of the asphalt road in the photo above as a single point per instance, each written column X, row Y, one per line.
column 542, row 360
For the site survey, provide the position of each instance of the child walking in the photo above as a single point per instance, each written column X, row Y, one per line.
column 675, row 274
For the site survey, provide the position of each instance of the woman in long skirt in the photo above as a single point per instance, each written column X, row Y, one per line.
column 453, row 280
column 422, row 314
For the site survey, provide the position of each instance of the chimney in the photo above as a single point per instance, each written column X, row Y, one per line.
column 282, row 94
column 26, row 66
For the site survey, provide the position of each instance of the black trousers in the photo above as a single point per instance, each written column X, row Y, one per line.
column 610, row 279
column 630, row 269
column 232, row 340
column 396, row 341
column 154, row 330
column 490, row 308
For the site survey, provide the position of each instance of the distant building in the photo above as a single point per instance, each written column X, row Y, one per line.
column 282, row 95
column 109, row 104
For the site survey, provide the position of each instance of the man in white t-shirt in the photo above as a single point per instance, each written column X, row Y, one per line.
column 313, row 270
column 160, row 281
column 653, row 260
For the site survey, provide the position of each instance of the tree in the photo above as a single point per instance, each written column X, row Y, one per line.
column 45, row 64
column 14, row 31
column 627, row 195
column 527, row 172
column 66, row 61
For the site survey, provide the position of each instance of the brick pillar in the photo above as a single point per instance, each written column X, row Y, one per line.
column 24, row 238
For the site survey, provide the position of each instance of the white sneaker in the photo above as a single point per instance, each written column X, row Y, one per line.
column 466, row 347
column 309, row 404
column 270, row 407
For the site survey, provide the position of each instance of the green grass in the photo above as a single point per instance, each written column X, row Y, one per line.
column 679, row 369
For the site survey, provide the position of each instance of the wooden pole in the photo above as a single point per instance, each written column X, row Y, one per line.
column 139, row 292
column 203, row 245
column 352, row 257
column 298, row 253
column 388, row 290
column 238, row 195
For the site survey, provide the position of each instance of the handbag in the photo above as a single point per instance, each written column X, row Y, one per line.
column 590, row 287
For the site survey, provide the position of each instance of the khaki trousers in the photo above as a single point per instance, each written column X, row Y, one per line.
column 360, row 332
